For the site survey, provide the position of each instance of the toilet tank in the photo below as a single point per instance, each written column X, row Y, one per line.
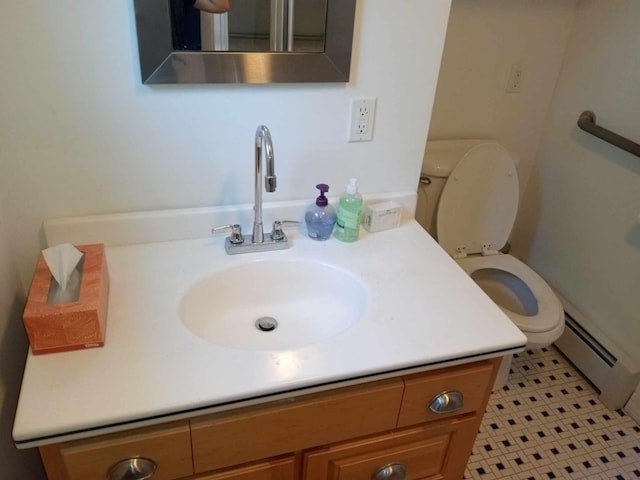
column 440, row 158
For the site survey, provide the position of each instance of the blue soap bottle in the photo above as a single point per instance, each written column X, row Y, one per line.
column 320, row 217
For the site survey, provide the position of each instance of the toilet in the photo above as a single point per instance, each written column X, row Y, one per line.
column 468, row 201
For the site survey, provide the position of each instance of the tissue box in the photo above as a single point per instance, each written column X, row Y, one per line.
column 75, row 325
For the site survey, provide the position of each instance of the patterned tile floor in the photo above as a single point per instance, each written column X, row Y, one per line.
column 548, row 423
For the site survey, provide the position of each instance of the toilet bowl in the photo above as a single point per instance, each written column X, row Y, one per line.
column 521, row 294
column 473, row 214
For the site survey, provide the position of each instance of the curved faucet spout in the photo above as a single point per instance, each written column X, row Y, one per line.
column 262, row 141
column 263, row 137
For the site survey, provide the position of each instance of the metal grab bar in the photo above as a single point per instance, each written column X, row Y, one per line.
column 587, row 122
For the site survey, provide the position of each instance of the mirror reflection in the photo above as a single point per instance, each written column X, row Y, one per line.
column 280, row 41
column 248, row 25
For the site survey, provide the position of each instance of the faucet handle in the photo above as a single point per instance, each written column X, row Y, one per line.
column 278, row 233
column 235, row 237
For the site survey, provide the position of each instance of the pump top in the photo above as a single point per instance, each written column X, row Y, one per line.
column 322, row 201
column 352, row 186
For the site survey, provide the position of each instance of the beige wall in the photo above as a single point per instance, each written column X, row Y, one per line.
column 14, row 464
column 484, row 39
column 579, row 225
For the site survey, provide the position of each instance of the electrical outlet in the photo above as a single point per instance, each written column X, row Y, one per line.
column 363, row 111
column 514, row 85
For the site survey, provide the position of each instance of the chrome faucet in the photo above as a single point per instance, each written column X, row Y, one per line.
column 277, row 240
column 263, row 138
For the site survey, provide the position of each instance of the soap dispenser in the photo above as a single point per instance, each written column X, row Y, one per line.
column 320, row 217
column 349, row 213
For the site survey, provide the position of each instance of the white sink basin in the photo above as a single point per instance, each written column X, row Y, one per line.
column 310, row 301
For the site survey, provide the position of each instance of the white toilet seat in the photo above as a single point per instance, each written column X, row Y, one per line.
column 475, row 214
column 550, row 315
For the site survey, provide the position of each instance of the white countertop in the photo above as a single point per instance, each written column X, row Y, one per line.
column 424, row 313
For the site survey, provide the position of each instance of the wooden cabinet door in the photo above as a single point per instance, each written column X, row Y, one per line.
column 427, row 452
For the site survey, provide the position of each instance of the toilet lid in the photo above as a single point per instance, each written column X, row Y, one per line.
column 479, row 202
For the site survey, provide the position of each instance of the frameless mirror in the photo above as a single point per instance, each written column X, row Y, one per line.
column 256, row 41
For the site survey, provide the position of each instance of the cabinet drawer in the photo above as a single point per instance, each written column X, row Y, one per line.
column 472, row 381
column 275, row 469
column 264, row 431
column 168, row 446
column 422, row 452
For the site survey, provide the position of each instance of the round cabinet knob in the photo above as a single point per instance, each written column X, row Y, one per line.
column 446, row 402
column 391, row 471
column 135, row 468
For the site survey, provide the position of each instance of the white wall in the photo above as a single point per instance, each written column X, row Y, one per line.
column 579, row 225
column 484, row 39
column 81, row 135
column 23, row 465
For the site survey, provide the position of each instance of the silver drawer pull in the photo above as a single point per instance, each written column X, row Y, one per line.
column 135, row 468
column 391, row 471
column 446, row 402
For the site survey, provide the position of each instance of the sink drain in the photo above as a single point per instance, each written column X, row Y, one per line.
column 266, row 324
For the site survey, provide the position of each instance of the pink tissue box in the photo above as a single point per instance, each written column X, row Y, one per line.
column 69, row 326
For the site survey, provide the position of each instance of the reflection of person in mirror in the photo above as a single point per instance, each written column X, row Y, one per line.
column 211, row 6
column 185, row 20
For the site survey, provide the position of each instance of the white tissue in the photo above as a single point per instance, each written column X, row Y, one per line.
column 62, row 260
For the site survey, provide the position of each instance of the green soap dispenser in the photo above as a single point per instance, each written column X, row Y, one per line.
column 349, row 213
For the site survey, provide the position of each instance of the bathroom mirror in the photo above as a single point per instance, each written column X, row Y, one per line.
column 258, row 41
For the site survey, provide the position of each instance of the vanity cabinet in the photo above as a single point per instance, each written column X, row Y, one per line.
column 423, row 452
column 263, row 431
column 422, row 424
column 168, row 445
column 274, row 469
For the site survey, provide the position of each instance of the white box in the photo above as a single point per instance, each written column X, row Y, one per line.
column 381, row 216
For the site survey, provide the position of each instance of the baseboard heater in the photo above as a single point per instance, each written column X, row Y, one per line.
column 616, row 378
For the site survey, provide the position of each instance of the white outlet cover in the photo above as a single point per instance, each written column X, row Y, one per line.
column 361, row 119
